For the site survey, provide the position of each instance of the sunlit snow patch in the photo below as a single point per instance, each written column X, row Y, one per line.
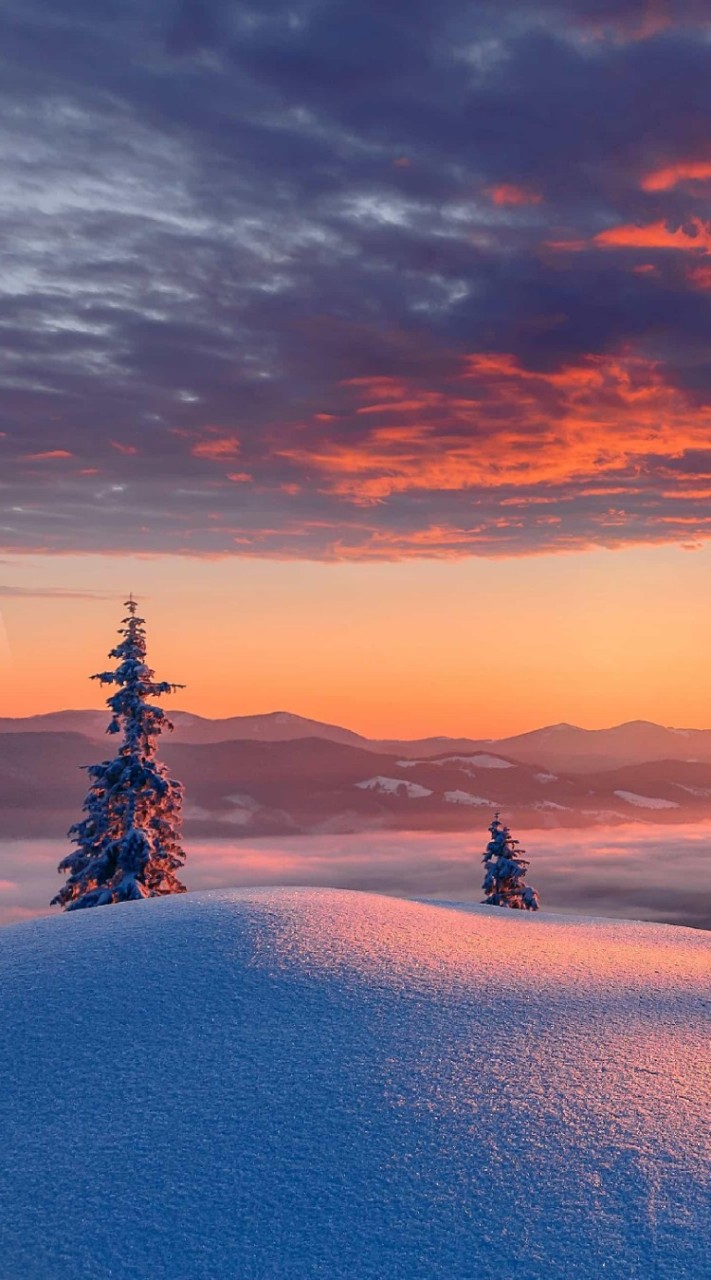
column 244, row 802
column 394, row 786
column 482, row 761
column 465, row 797
column 646, row 802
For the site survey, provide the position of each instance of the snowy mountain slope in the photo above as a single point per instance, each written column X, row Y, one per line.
column 312, row 785
column 394, row 787
column 302, row 1084
column 482, row 760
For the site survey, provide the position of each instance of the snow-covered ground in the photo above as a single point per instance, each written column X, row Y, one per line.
column 479, row 761
column 466, row 797
column 646, row 802
column 395, row 787
column 301, row 1084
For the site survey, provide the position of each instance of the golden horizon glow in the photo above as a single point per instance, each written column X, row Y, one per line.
column 466, row 647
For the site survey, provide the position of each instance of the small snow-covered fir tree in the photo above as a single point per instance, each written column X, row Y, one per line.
column 504, row 882
column 127, row 843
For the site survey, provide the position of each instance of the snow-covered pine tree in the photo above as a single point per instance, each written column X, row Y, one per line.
column 504, row 882
column 127, row 843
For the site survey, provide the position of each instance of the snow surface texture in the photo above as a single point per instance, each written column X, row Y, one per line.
column 301, row 1084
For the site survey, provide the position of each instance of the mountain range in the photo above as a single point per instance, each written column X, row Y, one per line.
column 565, row 747
column 282, row 774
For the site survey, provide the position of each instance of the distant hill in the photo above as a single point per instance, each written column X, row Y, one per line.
column 313, row 785
column 42, row 784
column 275, row 726
column 92, row 724
column 564, row 748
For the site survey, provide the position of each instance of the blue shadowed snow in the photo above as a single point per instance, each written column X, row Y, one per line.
column 285, row 1084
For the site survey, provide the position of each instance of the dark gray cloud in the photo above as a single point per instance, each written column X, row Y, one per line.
column 216, row 219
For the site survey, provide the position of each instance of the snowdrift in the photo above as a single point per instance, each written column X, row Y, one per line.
column 280, row 1084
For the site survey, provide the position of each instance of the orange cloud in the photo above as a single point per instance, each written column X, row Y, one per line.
column 127, row 449
column 653, row 235
column 656, row 235
column 507, row 193
column 217, row 448
column 47, row 455
column 670, row 176
column 498, row 425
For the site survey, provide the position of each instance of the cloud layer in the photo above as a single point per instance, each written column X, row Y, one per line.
column 641, row 873
column 345, row 280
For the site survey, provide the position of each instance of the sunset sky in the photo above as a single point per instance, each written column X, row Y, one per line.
column 368, row 344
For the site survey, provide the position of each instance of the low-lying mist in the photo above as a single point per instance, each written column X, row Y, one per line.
column 636, row 871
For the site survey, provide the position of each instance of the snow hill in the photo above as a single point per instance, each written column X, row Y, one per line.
column 302, row 1084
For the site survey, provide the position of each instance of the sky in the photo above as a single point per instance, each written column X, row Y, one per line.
column 369, row 344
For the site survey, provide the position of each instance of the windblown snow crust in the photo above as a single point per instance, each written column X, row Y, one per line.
column 288, row 1084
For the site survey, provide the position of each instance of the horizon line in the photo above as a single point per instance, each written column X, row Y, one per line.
column 449, row 737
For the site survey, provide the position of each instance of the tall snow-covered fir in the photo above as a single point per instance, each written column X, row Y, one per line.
column 128, row 842
column 504, row 881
